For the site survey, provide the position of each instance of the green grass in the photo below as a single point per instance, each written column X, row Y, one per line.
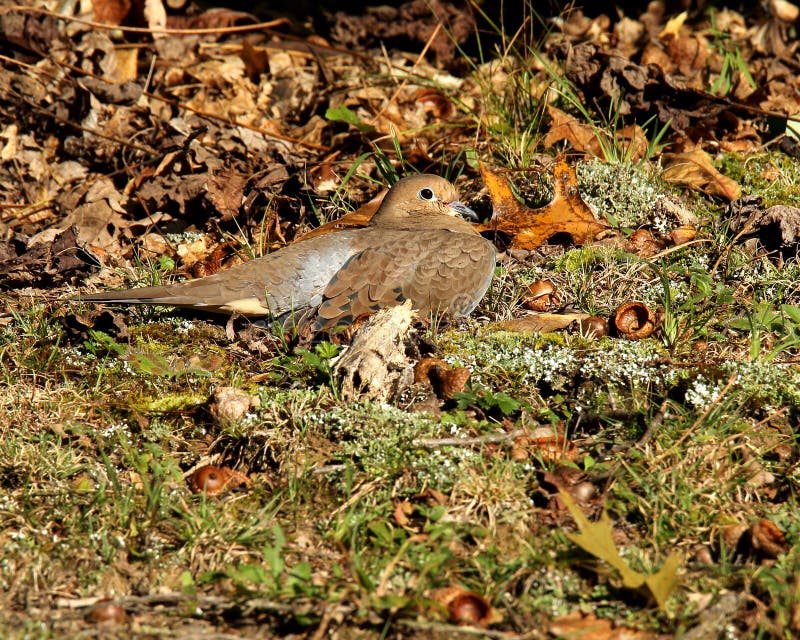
column 679, row 437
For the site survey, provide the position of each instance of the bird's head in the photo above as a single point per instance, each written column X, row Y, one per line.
column 424, row 201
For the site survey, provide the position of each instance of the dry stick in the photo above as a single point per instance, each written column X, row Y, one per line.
column 492, row 438
column 322, row 629
column 175, row 32
column 80, row 127
column 30, row 67
column 211, row 116
column 748, row 226
column 266, row 27
column 420, row 57
column 610, row 473
column 174, row 598
column 174, row 103
column 20, row 212
column 775, row 414
column 179, row 105
column 233, row 123
column 457, row 631
column 363, row 490
column 678, row 247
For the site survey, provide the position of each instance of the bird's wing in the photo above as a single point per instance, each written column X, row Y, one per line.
column 438, row 270
column 287, row 281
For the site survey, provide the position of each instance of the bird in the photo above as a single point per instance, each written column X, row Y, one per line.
column 417, row 246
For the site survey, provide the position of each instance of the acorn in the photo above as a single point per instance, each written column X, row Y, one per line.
column 634, row 320
column 541, row 296
column 593, row 327
column 215, row 480
column 107, row 614
column 466, row 607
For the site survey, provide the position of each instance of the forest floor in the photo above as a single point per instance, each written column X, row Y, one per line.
column 605, row 449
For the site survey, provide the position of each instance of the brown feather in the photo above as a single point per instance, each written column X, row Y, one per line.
column 414, row 248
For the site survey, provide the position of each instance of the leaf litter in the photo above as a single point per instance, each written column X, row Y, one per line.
column 148, row 152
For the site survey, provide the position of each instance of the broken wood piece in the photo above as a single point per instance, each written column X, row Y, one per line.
column 375, row 366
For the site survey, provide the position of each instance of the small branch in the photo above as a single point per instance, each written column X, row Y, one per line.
column 492, row 438
column 174, row 32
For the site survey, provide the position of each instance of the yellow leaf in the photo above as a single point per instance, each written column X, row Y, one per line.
column 673, row 26
column 596, row 538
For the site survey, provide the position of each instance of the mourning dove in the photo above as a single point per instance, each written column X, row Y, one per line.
column 416, row 247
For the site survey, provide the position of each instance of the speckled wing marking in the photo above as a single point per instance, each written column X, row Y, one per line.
column 439, row 270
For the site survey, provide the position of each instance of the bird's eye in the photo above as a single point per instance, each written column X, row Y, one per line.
column 426, row 193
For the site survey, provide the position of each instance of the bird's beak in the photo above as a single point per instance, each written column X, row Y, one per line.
column 460, row 209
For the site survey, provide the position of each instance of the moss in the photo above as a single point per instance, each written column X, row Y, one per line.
column 174, row 401
column 582, row 258
column 766, row 383
column 623, row 193
column 772, row 176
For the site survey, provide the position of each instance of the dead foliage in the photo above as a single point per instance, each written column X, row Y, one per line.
column 418, row 481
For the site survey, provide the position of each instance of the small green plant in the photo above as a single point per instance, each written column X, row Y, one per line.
column 772, row 330
column 314, row 366
column 273, row 576
column 691, row 315
column 734, row 66
column 493, row 402
column 607, row 127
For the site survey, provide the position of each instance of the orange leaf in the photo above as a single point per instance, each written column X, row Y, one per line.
column 353, row 220
column 566, row 127
column 593, row 140
column 587, row 626
column 530, row 228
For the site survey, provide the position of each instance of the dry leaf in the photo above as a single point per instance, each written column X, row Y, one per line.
column 695, row 169
column 585, row 138
column 530, row 228
column 566, row 127
column 580, row 626
column 597, row 539
column 768, row 541
column 111, row 11
column 542, row 322
column 543, row 442
column 673, row 27
column 402, row 511
column 445, row 380
column 353, row 220
column 643, row 243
